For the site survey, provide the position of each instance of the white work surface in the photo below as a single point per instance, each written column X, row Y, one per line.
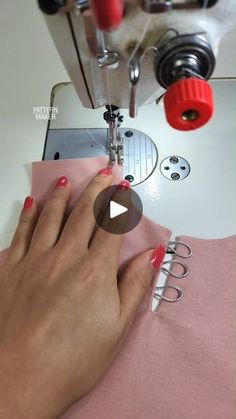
column 29, row 67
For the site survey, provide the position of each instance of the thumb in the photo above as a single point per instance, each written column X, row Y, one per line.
column 136, row 280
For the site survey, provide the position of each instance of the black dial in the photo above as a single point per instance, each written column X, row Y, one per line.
column 209, row 3
column 51, row 7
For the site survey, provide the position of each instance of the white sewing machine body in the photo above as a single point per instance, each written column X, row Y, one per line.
column 198, row 197
column 79, row 47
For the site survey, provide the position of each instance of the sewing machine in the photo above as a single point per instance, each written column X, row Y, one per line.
column 140, row 94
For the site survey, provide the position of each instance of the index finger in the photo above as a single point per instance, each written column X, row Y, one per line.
column 77, row 232
column 108, row 237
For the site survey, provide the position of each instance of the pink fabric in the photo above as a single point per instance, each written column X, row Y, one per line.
column 179, row 363
column 79, row 171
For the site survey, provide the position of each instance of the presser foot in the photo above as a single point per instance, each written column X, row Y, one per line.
column 138, row 157
column 115, row 144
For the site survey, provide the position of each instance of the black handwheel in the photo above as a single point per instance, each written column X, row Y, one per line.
column 51, row 7
column 210, row 3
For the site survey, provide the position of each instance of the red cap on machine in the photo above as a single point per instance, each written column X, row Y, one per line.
column 189, row 104
column 108, row 13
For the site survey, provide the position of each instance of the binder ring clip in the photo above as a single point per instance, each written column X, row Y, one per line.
column 179, row 293
column 187, row 251
column 184, row 267
column 177, row 249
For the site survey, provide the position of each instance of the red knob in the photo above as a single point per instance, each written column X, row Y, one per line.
column 108, row 13
column 189, row 104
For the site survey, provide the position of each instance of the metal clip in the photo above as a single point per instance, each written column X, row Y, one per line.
column 160, row 289
column 179, row 296
column 171, row 273
column 171, row 249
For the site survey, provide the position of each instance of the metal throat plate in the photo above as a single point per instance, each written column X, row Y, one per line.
column 140, row 153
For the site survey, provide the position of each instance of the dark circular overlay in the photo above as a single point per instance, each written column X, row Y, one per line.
column 122, row 223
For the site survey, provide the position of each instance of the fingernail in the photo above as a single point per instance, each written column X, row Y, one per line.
column 28, row 202
column 157, row 257
column 107, row 171
column 124, row 185
column 62, row 182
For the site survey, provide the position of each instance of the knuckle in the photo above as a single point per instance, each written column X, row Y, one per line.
column 47, row 217
column 57, row 200
column 100, row 182
column 25, row 219
column 84, row 205
column 139, row 281
column 101, row 262
column 16, row 241
column 21, row 231
column 52, row 210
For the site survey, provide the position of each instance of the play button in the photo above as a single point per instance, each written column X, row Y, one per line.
column 118, row 211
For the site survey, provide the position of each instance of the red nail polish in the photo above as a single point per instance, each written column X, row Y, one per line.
column 157, row 257
column 28, row 202
column 62, row 182
column 124, row 185
column 107, row 171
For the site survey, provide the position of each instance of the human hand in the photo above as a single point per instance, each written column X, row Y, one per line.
column 63, row 312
